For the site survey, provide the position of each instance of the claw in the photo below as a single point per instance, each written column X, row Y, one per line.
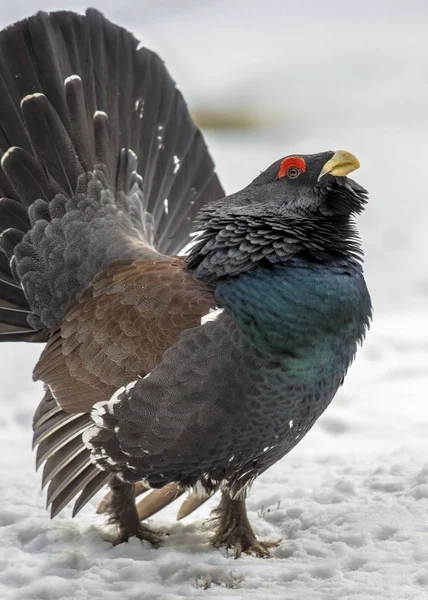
column 143, row 533
column 244, row 543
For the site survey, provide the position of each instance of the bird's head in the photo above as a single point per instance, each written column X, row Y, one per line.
column 300, row 205
column 310, row 185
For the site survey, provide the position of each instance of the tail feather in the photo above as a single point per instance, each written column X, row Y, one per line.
column 67, row 475
column 56, row 463
column 14, row 317
column 97, row 146
column 59, row 156
column 14, row 214
column 84, row 483
column 30, row 182
column 57, row 423
column 9, row 334
column 81, row 133
column 157, row 500
column 14, row 307
column 12, row 296
column 5, row 272
column 57, row 439
column 192, row 503
column 67, row 469
column 89, row 489
column 9, row 239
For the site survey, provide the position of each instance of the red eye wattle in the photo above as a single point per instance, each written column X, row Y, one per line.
column 291, row 167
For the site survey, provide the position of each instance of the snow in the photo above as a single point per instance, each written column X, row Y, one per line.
column 350, row 503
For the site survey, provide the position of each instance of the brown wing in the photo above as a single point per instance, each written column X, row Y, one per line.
column 119, row 329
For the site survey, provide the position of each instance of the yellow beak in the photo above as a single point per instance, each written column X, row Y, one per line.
column 340, row 164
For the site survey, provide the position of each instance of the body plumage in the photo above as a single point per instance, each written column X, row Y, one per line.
column 247, row 385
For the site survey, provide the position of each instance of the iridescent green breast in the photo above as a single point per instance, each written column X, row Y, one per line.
column 307, row 316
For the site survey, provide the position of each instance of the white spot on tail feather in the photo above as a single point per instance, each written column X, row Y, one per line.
column 100, row 113
column 8, row 152
column 213, row 315
column 72, row 78
column 132, row 153
column 166, row 207
column 176, row 162
column 31, row 96
column 35, row 95
column 139, row 107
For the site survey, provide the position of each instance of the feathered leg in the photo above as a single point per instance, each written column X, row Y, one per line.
column 234, row 529
column 103, row 506
column 122, row 511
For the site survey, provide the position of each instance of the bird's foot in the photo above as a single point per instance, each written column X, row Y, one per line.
column 120, row 506
column 140, row 531
column 243, row 541
column 234, row 529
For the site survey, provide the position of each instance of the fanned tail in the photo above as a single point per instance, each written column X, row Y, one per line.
column 100, row 161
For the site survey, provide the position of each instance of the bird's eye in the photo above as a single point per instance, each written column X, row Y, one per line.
column 291, row 167
column 293, row 172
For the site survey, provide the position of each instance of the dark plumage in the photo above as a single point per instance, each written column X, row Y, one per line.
column 205, row 370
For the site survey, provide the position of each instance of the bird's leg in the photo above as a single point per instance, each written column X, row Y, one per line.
column 234, row 529
column 139, row 488
column 122, row 511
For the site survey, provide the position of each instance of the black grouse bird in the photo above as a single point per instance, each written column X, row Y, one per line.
column 162, row 372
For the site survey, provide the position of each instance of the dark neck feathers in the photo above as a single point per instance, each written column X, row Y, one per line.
column 232, row 244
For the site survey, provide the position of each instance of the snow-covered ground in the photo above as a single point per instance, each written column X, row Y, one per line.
column 351, row 501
